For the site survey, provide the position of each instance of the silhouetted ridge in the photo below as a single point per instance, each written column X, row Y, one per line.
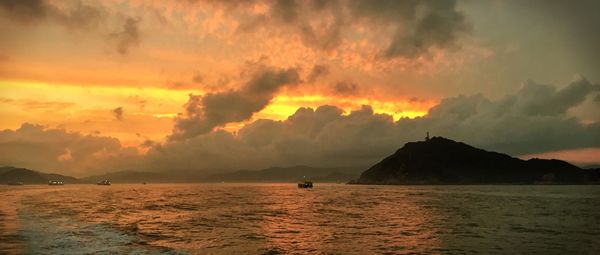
column 289, row 174
column 443, row 161
column 133, row 177
column 10, row 174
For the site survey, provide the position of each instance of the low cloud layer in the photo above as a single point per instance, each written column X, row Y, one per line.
column 204, row 113
column 56, row 150
column 534, row 120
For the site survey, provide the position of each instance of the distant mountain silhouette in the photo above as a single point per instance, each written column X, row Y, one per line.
column 273, row 174
column 596, row 166
column 134, row 177
column 10, row 174
column 444, row 161
column 288, row 174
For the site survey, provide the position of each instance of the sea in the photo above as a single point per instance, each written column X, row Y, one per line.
column 283, row 219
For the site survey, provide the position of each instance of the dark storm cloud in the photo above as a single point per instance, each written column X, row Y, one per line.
column 537, row 99
column 345, row 88
column 78, row 15
column 532, row 100
column 417, row 26
column 204, row 113
column 128, row 36
column 516, row 124
column 420, row 24
column 118, row 113
column 533, row 120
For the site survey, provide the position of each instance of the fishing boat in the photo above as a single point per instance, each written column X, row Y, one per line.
column 104, row 182
column 305, row 185
column 55, row 183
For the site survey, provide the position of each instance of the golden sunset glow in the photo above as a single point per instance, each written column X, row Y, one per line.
column 284, row 106
column 150, row 110
column 299, row 127
column 149, row 84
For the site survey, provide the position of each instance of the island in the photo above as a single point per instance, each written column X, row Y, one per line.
column 9, row 175
column 439, row 160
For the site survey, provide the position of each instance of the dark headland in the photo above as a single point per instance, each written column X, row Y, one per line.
column 10, row 174
column 443, row 161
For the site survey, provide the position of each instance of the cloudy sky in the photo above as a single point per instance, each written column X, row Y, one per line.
column 95, row 86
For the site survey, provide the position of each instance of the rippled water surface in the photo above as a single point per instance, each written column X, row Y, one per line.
column 282, row 219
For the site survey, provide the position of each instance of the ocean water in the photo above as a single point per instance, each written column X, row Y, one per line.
column 282, row 219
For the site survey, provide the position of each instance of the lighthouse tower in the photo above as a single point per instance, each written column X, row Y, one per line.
column 427, row 137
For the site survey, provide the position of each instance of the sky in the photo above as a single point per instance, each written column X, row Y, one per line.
column 88, row 87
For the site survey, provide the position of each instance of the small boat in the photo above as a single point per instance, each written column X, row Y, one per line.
column 104, row 182
column 55, row 183
column 305, row 185
column 16, row 183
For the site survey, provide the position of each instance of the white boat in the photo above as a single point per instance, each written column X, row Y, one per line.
column 305, row 185
column 104, row 182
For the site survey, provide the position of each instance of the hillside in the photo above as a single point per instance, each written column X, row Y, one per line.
column 444, row 161
column 13, row 174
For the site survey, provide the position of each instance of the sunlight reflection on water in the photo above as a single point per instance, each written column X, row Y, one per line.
column 279, row 218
